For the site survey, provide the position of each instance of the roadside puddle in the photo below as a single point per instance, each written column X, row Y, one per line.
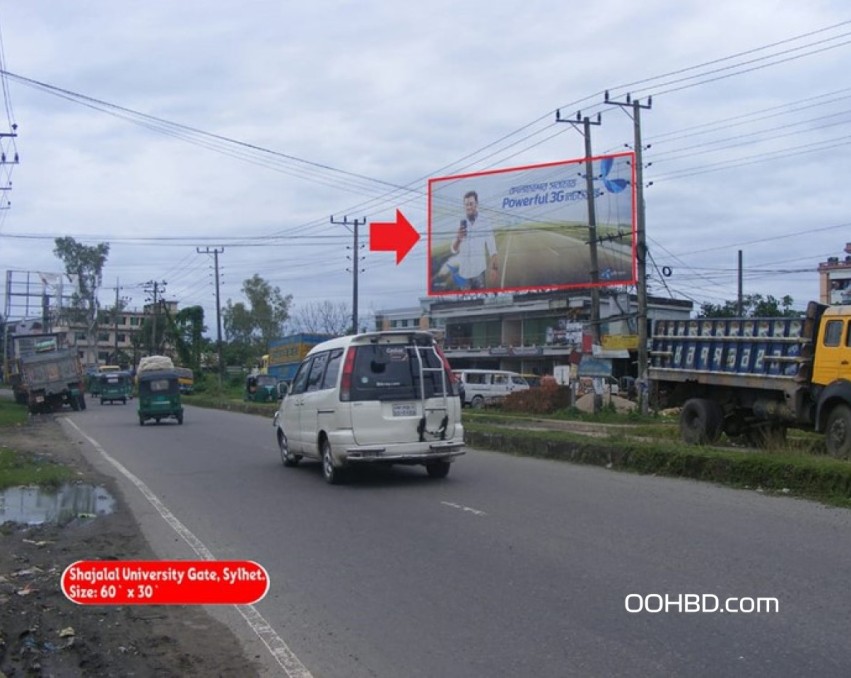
column 40, row 506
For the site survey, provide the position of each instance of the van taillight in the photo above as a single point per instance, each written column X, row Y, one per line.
column 450, row 375
column 348, row 370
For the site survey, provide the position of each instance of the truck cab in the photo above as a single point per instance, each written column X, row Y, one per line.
column 833, row 349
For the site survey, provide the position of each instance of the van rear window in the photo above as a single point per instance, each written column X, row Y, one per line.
column 391, row 372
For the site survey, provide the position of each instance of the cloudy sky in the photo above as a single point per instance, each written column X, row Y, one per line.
column 165, row 128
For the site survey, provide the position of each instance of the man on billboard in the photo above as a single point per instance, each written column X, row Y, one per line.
column 474, row 265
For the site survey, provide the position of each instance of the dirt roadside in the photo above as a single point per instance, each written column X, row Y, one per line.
column 44, row 634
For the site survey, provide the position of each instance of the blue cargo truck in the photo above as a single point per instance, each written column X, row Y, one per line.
column 286, row 353
column 752, row 378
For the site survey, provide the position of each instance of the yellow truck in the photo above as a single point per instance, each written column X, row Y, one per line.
column 752, row 378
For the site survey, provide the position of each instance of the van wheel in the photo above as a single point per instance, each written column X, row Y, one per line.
column 287, row 457
column 838, row 432
column 438, row 469
column 180, row 418
column 141, row 420
column 333, row 474
column 477, row 403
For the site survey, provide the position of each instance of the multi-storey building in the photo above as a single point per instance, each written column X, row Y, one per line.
column 117, row 339
column 835, row 279
column 533, row 333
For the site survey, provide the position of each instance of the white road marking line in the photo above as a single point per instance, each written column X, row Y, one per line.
column 460, row 507
column 274, row 643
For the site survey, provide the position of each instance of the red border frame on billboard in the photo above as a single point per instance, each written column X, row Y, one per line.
column 538, row 252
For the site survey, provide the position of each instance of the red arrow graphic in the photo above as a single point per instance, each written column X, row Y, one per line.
column 393, row 236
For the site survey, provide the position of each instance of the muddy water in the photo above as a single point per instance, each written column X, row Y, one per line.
column 37, row 506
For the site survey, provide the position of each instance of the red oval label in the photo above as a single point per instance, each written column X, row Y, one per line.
column 165, row 582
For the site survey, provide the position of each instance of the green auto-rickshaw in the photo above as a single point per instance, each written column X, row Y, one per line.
column 159, row 396
column 93, row 382
column 261, row 388
column 115, row 386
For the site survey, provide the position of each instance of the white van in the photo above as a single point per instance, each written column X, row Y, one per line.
column 484, row 386
column 379, row 397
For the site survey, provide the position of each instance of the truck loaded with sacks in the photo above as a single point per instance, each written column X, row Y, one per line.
column 753, row 378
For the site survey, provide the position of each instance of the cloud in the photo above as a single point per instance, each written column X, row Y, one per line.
column 395, row 94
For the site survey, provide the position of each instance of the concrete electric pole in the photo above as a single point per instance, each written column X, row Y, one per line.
column 641, row 243
column 592, row 218
column 355, row 265
column 216, row 252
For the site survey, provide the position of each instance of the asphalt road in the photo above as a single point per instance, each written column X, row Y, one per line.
column 509, row 567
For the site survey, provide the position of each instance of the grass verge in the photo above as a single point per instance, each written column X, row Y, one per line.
column 22, row 468
column 813, row 477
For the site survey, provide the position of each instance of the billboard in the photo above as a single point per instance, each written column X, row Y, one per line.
column 527, row 228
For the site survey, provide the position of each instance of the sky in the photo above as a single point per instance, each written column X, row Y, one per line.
column 174, row 129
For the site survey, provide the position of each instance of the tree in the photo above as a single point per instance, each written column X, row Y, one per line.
column 324, row 317
column 86, row 263
column 269, row 308
column 259, row 321
column 186, row 331
column 237, row 322
column 753, row 306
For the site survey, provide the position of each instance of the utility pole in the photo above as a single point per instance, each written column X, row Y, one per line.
column 355, row 265
column 740, row 299
column 592, row 217
column 153, row 287
column 641, row 242
column 116, row 312
column 215, row 252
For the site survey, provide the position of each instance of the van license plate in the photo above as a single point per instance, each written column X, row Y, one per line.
column 406, row 410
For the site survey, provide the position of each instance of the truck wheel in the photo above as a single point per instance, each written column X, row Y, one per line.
column 700, row 421
column 837, row 434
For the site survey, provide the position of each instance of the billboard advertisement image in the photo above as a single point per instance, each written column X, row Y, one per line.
column 527, row 228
